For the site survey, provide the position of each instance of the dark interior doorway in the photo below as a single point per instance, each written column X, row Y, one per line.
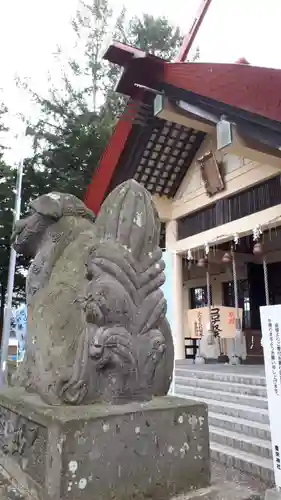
column 257, row 289
column 274, row 282
column 257, row 299
column 256, row 293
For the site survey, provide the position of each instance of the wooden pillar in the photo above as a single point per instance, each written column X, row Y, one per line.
column 175, row 277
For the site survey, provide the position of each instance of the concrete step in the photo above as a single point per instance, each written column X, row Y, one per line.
column 248, row 462
column 231, row 409
column 230, row 377
column 239, row 425
column 242, row 442
column 252, row 390
column 229, row 397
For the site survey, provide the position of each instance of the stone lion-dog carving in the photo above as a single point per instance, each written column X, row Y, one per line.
column 97, row 328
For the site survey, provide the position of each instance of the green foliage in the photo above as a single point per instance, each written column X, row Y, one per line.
column 7, row 201
column 68, row 157
column 77, row 117
column 7, row 180
column 155, row 35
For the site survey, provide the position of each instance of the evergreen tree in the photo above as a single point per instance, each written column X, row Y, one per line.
column 7, row 202
column 77, row 119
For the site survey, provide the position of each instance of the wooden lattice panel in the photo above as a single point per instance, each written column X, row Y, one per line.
column 166, row 157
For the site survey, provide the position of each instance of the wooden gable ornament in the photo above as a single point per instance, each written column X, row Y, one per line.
column 212, row 174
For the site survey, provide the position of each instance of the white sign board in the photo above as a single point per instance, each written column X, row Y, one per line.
column 271, row 339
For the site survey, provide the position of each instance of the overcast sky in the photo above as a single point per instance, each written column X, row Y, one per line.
column 31, row 29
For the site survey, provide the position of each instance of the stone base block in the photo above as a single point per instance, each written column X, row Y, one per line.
column 273, row 494
column 135, row 451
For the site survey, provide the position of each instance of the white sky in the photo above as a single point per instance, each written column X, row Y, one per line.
column 31, row 29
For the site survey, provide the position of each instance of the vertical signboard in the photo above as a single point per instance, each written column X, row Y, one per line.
column 271, row 338
column 222, row 320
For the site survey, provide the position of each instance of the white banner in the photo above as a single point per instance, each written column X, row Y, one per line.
column 271, row 339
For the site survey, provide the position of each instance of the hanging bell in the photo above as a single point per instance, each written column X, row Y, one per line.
column 226, row 259
column 258, row 249
column 202, row 262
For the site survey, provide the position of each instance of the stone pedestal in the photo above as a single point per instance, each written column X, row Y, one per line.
column 141, row 450
column 273, row 494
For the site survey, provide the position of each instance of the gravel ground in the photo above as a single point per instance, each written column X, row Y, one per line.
column 227, row 484
column 223, row 474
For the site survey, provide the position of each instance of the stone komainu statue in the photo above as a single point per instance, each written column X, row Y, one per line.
column 97, row 328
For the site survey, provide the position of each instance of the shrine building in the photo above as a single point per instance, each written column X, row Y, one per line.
column 204, row 139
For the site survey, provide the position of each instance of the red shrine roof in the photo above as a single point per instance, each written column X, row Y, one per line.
column 140, row 140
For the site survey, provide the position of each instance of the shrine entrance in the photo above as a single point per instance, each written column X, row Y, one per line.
column 212, row 287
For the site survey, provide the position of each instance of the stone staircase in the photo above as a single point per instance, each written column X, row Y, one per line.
column 238, row 415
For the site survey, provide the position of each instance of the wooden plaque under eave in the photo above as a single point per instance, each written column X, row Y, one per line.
column 211, row 172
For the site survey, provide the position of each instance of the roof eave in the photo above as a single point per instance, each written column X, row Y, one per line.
column 250, row 88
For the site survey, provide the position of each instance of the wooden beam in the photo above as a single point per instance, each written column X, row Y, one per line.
column 253, row 150
column 190, row 36
column 240, row 146
column 250, row 173
column 271, row 217
column 215, row 256
column 170, row 113
column 163, row 206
